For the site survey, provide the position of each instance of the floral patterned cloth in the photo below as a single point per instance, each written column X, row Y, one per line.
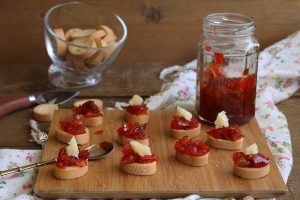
column 278, row 79
column 18, row 186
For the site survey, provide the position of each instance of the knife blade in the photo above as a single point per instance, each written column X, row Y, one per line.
column 10, row 104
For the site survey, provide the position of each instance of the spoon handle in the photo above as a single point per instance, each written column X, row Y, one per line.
column 25, row 167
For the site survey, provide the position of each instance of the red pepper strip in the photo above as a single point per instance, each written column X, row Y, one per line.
column 215, row 70
column 219, row 59
column 246, row 72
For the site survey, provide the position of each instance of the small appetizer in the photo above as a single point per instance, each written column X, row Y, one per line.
column 138, row 159
column 98, row 102
column 72, row 127
column 225, row 136
column 89, row 113
column 251, row 164
column 44, row 112
column 71, row 162
column 191, row 151
column 133, row 131
column 137, row 111
column 183, row 124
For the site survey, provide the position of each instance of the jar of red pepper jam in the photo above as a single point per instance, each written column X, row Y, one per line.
column 227, row 67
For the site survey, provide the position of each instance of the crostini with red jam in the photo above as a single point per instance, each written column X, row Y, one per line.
column 138, row 159
column 71, row 162
column 133, row 131
column 89, row 113
column 225, row 136
column 251, row 164
column 137, row 111
column 183, row 123
column 72, row 127
column 191, row 151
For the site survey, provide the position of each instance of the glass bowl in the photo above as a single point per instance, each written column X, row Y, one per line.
column 81, row 40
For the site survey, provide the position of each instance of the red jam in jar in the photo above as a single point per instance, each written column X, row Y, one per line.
column 63, row 160
column 191, row 147
column 88, row 109
column 180, row 123
column 227, row 68
column 250, row 161
column 231, row 133
column 129, row 156
column 133, row 131
column 218, row 93
column 73, row 126
column 137, row 109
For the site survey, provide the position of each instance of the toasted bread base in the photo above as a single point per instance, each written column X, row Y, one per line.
column 92, row 121
column 139, row 169
column 140, row 119
column 65, row 137
column 69, row 172
column 251, row 173
column 192, row 160
column 224, row 144
column 98, row 102
column 178, row 134
column 44, row 112
column 123, row 140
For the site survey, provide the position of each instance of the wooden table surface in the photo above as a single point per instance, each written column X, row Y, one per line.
column 133, row 80
column 161, row 33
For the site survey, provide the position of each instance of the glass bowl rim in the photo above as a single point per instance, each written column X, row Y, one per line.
column 53, row 8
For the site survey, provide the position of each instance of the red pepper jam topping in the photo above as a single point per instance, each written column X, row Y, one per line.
column 250, row 161
column 191, row 147
column 133, row 131
column 88, row 109
column 182, row 124
column 63, row 160
column 137, row 109
column 129, row 156
column 232, row 133
column 219, row 92
column 73, row 126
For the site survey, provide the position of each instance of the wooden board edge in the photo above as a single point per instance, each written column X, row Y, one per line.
column 153, row 194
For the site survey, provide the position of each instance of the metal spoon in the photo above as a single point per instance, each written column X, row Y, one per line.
column 96, row 153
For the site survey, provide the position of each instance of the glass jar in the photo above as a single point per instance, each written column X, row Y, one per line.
column 227, row 68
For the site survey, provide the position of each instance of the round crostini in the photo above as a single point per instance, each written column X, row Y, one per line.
column 137, row 111
column 191, row 151
column 138, row 159
column 72, row 127
column 44, row 112
column 225, row 136
column 251, row 164
column 89, row 113
column 133, row 131
column 71, row 162
column 184, row 124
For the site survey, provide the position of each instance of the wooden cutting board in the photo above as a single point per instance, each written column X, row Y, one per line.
column 172, row 179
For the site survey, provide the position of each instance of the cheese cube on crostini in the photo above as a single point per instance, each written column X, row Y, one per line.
column 252, row 149
column 222, row 120
column 140, row 149
column 72, row 148
column 136, row 100
column 181, row 112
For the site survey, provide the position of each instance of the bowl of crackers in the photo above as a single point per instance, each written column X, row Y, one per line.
column 82, row 40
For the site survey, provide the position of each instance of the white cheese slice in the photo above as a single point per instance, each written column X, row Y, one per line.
column 252, row 149
column 136, row 100
column 183, row 113
column 222, row 120
column 140, row 149
column 72, row 148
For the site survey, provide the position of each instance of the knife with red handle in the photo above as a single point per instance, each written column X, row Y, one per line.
column 10, row 104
